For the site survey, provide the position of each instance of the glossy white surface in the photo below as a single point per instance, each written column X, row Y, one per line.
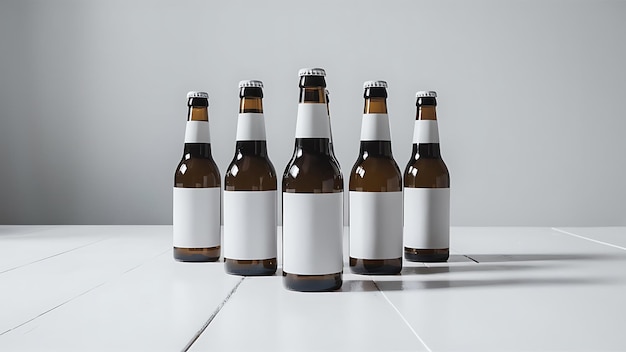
column 612, row 236
column 262, row 315
column 117, row 288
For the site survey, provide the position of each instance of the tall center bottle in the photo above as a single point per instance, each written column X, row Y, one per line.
column 312, row 196
column 250, row 192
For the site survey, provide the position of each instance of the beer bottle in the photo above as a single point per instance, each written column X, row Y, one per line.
column 250, row 192
column 375, row 192
column 426, row 189
column 196, row 219
column 312, row 196
column 332, row 147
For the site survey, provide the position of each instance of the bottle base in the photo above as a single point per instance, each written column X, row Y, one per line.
column 312, row 283
column 262, row 267
column 211, row 254
column 426, row 255
column 376, row 266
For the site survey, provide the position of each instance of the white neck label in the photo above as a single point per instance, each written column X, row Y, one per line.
column 197, row 132
column 426, row 131
column 250, row 127
column 375, row 127
column 313, row 121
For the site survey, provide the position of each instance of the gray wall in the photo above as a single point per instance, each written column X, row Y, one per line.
column 92, row 98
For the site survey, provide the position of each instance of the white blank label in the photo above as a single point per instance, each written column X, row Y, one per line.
column 427, row 218
column 375, row 127
column 313, row 121
column 249, row 225
column 250, row 127
column 375, row 225
column 197, row 132
column 426, row 131
column 196, row 217
column 312, row 233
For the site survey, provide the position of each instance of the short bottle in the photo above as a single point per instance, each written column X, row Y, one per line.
column 426, row 189
column 312, row 196
column 196, row 208
column 375, row 192
column 250, row 192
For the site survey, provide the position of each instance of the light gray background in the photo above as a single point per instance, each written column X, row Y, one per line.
column 531, row 107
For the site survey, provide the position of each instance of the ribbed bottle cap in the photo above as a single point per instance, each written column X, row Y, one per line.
column 426, row 94
column 374, row 84
column 193, row 94
column 251, row 83
column 312, row 72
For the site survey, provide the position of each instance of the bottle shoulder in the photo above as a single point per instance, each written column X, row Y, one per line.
column 197, row 172
column 197, row 165
column 250, row 173
column 250, row 164
column 426, row 173
column 375, row 174
column 312, row 173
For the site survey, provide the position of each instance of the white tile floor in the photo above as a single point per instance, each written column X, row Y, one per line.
column 117, row 288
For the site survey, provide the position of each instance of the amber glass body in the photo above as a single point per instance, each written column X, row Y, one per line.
column 319, row 173
column 197, row 169
column 255, row 172
column 426, row 169
column 375, row 171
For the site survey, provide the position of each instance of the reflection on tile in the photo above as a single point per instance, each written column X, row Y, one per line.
column 402, row 285
column 465, row 268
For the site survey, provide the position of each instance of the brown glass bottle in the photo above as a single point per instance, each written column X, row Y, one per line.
column 312, row 197
column 250, row 192
column 375, row 192
column 426, row 189
column 332, row 147
column 197, row 190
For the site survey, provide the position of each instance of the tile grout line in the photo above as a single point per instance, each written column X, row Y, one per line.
column 215, row 313
column 470, row 258
column 53, row 308
column 144, row 263
column 52, row 256
column 588, row 239
column 402, row 317
column 83, row 293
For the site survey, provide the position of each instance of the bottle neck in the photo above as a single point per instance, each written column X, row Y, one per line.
column 198, row 113
column 426, row 135
column 375, row 124
column 250, row 123
column 251, row 148
column 426, row 129
column 314, row 95
column 320, row 146
column 426, row 112
column 426, row 151
column 251, row 104
column 197, row 150
column 197, row 129
column 375, row 105
column 376, row 149
column 313, row 121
